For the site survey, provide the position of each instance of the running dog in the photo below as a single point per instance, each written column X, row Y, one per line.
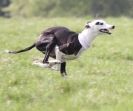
column 63, row 44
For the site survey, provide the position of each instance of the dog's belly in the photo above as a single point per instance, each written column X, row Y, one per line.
column 69, row 57
column 73, row 56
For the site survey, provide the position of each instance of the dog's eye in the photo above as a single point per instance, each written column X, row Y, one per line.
column 97, row 23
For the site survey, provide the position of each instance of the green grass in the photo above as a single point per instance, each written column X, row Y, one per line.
column 100, row 80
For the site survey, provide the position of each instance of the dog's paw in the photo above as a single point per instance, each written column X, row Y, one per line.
column 40, row 64
column 53, row 62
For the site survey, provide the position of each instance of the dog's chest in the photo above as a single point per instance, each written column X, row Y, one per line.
column 61, row 56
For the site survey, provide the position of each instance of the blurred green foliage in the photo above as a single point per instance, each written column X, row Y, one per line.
column 48, row 8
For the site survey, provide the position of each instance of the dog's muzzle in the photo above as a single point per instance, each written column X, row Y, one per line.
column 107, row 30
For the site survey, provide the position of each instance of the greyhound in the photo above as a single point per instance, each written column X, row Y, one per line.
column 62, row 44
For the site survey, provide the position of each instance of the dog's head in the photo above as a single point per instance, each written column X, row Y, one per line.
column 99, row 27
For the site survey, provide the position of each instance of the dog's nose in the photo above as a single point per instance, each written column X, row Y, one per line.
column 113, row 27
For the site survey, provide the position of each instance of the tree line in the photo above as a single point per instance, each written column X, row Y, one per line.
column 50, row 8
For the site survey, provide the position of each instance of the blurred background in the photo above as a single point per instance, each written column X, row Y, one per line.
column 54, row 8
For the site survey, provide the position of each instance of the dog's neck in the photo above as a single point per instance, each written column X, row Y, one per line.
column 86, row 37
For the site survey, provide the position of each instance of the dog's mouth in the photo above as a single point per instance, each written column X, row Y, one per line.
column 107, row 31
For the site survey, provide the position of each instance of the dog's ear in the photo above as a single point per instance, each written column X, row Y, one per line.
column 87, row 25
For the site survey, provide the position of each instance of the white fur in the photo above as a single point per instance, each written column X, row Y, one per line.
column 86, row 37
column 89, row 34
column 96, row 28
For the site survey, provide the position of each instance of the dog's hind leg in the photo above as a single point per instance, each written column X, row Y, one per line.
column 49, row 48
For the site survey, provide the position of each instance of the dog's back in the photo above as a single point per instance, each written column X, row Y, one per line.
column 66, row 39
column 62, row 34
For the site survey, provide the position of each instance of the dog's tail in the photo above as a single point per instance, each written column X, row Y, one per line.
column 23, row 50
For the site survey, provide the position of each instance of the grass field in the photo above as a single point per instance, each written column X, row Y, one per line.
column 100, row 80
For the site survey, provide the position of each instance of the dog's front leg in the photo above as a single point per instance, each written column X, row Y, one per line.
column 63, row 69
column 59, row 57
